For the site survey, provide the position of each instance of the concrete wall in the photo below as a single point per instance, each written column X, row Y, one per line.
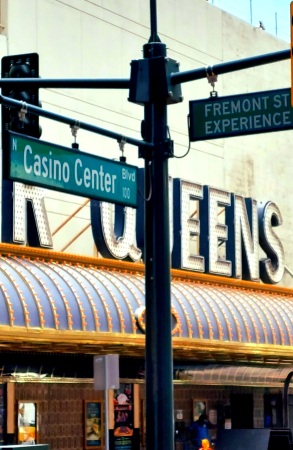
column 79, row 38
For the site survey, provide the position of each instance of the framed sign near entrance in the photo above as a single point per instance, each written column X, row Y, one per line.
column 199, row 407
column 92, row 424
column 27, row 422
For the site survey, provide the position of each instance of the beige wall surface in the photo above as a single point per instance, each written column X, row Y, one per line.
column 98, row 39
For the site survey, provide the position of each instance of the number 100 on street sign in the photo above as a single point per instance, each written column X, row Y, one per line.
column 40, row 163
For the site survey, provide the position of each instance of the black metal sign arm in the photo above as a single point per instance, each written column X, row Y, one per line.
column 230, row 66
column 66, row 83
column 124, row 83
column 72, row 122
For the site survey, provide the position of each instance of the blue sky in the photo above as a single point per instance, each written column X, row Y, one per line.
column 275, row 14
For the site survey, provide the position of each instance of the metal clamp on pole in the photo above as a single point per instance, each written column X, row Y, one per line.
column 22, row 113
column 212, row 79
column 122, row 143
column 74, row 130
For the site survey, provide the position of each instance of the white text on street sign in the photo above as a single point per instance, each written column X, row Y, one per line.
column 43, row 164
column 236, row 115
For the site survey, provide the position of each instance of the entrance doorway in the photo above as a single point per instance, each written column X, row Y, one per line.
column 273, row 410
column 241, row 410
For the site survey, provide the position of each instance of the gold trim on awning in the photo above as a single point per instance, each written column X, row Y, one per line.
column 81, row 304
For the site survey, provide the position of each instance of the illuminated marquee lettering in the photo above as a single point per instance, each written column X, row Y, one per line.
column 242, row 249
column 214, row 233
column 211, row 230
column 21, row 195
column 271, row 268
column 113, row 230
column 187, row 226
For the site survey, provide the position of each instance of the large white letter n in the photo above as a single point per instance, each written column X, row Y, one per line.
column 21, row 195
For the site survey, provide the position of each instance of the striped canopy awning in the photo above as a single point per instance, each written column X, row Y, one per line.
column 53, row 300
column 234, row 375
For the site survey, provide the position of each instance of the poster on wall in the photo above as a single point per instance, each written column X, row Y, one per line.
column 93, row 424
column 27, row 423
column 199, row 408
column 123, row 417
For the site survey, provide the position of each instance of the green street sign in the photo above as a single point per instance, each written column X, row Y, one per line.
column 236, row 115
column 44, row 164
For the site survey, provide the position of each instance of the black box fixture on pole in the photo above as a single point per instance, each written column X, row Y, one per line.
column 150, row 81
column 21, row 66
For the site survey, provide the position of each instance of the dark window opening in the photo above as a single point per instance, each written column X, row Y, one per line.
column 241, row 410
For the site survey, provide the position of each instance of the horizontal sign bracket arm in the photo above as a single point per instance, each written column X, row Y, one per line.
column 78, row 83
column 72, row 122
column 230, row 66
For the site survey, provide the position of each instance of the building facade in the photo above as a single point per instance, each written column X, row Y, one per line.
column 82, row 294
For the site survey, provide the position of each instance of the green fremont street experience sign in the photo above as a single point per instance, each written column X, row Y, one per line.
column 258, row 112
column 43, row 164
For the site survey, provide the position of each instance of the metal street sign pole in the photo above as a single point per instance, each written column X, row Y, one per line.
column 159, row 358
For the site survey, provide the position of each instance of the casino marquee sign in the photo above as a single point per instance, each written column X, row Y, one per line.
column 211, row 230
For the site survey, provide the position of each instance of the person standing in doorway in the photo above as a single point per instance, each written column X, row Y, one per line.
column 199, row 430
